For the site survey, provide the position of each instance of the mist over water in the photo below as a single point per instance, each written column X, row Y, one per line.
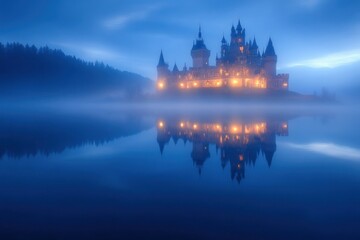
column 217, row 171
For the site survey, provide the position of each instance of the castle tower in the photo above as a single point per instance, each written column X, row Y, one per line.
column 237, row 44
column 199, row 53
column 224, row 47
column 162, row 72
column 240, row 34
column 270, row 60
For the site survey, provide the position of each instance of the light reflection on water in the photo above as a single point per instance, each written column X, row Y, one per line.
column 140, row 174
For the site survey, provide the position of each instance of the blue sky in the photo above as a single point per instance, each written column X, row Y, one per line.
column 320, row 34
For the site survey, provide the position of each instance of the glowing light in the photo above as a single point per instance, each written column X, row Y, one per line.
column 218, row 83
column 195, row 126
column 241, row 157
column 285, row 125
column 195, row 84
column 161, row 124
column 182, row 85
column 285, row 84
column 234, row 129
column 161, row 85
column 182, row 124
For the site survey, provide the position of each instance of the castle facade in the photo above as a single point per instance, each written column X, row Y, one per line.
column 239, row 65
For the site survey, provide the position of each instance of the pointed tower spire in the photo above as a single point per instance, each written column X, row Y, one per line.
column 239, row 28
column 233, row 32
column 270, row 51
column 223, row 40
column 175, row 69
column 255, row 46
column 200, row 34
column 161, row 60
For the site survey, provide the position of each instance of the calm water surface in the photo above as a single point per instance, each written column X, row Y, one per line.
column 145, row 174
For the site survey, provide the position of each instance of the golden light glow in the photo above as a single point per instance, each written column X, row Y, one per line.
column 182, row 124
column 195, row 84
column 161, row 85
column 234, row 129
column 285, row 84
column 182, row 85
column 195, row 126
column 161, row 124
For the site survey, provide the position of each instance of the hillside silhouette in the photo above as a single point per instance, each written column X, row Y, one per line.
column 28, row 70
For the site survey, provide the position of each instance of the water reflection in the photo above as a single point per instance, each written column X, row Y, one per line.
column 239, row 141
column 28, row 134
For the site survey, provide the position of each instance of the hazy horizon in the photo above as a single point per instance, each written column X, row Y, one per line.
column 321, row 37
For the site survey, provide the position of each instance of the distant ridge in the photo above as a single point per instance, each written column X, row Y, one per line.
column 28, row 70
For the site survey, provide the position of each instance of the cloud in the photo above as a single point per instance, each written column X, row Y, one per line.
column 330, row 149
column 330, row 61
column 310, row 4
column 120, row 21
column 89, row 52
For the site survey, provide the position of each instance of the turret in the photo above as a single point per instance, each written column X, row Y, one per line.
column 239, row 28
column 270, row 60
column 161, row 61
column 224, row 47
column 233, row 32
column 255, row 47
column 199, row 53
column 175, row 69
column 162, row 72
column 238, row 35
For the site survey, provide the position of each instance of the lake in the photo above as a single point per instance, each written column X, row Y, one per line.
column 175, row 172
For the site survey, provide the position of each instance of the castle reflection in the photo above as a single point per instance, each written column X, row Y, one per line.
column 239, row 141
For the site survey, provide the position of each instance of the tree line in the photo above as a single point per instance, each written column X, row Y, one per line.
column 50, row 69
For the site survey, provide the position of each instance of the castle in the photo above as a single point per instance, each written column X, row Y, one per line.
column 239, row 66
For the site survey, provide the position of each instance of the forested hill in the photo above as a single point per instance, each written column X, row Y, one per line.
column 28, row 70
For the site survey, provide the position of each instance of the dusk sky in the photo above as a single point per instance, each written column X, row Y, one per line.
column 128, row 35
